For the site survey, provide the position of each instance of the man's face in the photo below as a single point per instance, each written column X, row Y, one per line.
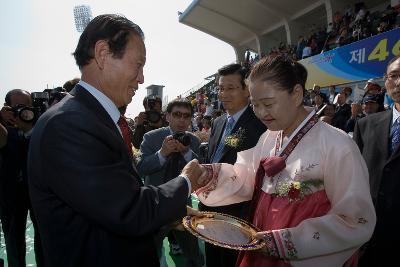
column 341, row 99
column 329, row 111
column 13, row 119
column 372, row 89
column 232, row 93
column 21, row 99
column 318, row 100
column 392, row 82
column 370, row 107
column 121, row 77
column 179, row 119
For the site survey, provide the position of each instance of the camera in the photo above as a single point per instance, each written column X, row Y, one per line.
column 55, row 95
column 25, row 113
column 40, row 101
column 152, row 114
column 183, row 138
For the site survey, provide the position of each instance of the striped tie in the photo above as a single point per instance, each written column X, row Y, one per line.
column 228, row 128
column 395, row 136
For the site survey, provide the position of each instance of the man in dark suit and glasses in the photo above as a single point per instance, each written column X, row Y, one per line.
column 91, row 205
column 378, row 137
column 240, row 120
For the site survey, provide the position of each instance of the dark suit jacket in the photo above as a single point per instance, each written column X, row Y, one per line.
column 253, row 129
column 91, row 206
column 342, row 114
column 13, row 176
column 372, row 136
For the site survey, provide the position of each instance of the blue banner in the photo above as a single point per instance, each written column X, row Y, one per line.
column 357, row 61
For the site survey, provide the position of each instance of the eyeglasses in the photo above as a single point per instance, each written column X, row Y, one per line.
column 221, row 89
column 392, row 76
column 178, row 115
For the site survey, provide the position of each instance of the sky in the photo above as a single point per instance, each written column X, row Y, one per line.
column 38, row 37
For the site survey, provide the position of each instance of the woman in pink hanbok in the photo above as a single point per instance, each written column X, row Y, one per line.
column 307, row 180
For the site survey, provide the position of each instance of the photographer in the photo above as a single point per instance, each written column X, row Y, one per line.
column 164, row 152
column 17, row 116
column 148, row 120
column 55, row 95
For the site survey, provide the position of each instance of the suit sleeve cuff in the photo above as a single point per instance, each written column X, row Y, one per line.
column 161, row 158
column 188, row 183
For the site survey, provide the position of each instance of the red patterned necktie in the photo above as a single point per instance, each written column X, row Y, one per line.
column 123, row 125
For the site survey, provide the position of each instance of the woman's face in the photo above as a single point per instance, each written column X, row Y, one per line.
column 275, row 106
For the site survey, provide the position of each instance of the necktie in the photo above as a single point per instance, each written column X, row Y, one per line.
column 123, row 125
column 228, row 128
column 395, row 136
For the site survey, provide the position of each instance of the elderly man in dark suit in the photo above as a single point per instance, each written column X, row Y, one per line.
column 164, row 152
column 378, row 137
column 91, row 205
column 239, row 122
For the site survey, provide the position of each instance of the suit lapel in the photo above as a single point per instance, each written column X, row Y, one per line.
column 382, row 128
column 219, row 130
column 240, row 123
column 83, row 96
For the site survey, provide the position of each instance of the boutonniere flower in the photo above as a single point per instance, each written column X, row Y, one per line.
column 297, row 190
column 236, row 139
column 136, row 154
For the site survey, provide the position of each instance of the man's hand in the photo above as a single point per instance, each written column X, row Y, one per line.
column 142, row 117
column 169, row 145
column 181, row 148
column 196, row 174
column 355, row 110
column 8, row 115
column 24, row 126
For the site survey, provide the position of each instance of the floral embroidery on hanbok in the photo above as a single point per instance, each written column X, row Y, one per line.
column 287, row 240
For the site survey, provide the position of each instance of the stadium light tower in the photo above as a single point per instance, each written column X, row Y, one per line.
column 82, row 15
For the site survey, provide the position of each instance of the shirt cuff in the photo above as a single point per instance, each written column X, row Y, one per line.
column 188, row 155
column 161, row 158
column 188, row 183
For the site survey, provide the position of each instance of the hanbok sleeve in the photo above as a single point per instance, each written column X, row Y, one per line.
column 230, row 183
column 233, row 183
column 334, row 237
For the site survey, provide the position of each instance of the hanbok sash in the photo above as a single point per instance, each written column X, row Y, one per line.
column 271, row 166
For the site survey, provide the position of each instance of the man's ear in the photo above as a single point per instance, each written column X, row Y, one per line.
column 168, row 117
column 101, row 51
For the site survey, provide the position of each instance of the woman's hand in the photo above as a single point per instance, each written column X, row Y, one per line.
column 270, row 249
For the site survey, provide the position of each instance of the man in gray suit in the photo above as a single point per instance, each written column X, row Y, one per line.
column 164, row 152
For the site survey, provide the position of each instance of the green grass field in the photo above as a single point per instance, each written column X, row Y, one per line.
column 172, row 261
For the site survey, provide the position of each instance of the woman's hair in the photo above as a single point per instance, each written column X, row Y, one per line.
column 281, row 70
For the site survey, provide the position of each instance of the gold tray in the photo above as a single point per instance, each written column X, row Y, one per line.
column 223, row 230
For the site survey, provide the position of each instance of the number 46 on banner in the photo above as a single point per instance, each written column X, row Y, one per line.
column 381, row 52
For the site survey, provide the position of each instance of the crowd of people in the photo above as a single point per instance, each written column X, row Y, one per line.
column 104, row 190
column 347, row 26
